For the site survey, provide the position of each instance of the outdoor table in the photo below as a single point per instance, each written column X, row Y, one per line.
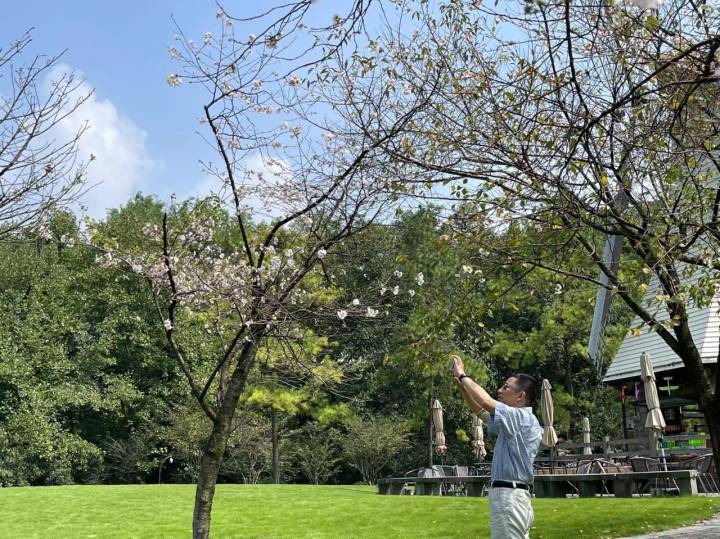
column 551, row 486
column 431, row 486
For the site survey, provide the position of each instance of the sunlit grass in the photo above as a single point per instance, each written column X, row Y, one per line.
column 312, row 511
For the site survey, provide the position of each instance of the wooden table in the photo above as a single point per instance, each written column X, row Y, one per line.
column 549, row 485
column 554, row 486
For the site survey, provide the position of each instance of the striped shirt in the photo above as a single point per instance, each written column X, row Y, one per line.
column 518, row 439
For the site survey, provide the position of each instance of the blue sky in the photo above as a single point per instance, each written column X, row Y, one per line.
column 143, row 132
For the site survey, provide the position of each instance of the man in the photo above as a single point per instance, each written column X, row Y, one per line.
column 518, row 438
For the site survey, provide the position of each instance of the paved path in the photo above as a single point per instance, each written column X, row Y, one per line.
column 706, row 529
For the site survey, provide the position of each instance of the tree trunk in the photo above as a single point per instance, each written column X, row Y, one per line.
column 711, row 409
column 215, row 448
column 275, row 448
column 209, row 470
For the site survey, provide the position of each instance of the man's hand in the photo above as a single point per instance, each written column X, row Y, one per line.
column 457, row 368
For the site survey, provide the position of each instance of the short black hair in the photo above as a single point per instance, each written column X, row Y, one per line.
column 527, row 383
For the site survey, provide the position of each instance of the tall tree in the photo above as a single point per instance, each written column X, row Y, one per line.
column 284, row 146
column 595, row 118
column 37, row 172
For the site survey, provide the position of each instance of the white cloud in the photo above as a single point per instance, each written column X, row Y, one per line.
column 118, row 145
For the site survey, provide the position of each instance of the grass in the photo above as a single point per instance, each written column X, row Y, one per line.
column 327, row 511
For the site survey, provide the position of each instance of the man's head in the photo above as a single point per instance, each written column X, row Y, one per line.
column 519, row 390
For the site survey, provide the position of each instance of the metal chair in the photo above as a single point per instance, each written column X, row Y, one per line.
column 705, row 468
column 647, row 464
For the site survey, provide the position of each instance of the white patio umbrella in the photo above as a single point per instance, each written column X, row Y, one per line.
column 478, row 442
column 654, row 419
column 437, row 419
column 549, row 437
column 587, row 450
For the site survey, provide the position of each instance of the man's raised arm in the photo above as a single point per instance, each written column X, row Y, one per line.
column 475, row 396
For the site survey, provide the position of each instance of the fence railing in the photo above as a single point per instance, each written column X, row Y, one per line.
column 646, row 446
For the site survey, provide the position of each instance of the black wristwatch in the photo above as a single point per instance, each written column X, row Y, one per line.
column 460, row 378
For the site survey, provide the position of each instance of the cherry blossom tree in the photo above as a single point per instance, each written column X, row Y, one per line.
column 298, row 176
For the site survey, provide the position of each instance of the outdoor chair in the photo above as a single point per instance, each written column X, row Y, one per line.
column 462, row 471
column 647, row 464
column 704, row 465
column 435, row 471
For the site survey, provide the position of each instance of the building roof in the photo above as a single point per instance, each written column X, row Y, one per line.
column 704, row 326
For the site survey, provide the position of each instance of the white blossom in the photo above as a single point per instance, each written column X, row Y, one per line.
column 411, row 292
column 558, row 289
column 44, row 233
column 207, row 38
column 342, row 315
column 356, row 301
column 382, row 291
column 168, row 325
column 420, row 279
column 396, row 290
column 321, row 253
column 294, row 81
column 398, row 274
column 372, row 313
column 137, row 268
column 467, row 269
column 173, row 80
column 272, row 41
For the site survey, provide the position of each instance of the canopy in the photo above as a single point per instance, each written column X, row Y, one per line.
column 549, row 437
column 654, row 419
column 437, row 419
column 587, row 450
column 478, row 442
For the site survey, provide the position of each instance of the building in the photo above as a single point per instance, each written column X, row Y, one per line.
column 677, row 397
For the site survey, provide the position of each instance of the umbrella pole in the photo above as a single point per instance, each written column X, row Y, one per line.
column 430, row 431
column 662, row 451
column 624, row 422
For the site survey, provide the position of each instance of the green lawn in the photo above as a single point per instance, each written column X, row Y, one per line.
column 325, row 511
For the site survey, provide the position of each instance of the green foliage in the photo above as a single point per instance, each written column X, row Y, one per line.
column 370, row 444
column 317, row 453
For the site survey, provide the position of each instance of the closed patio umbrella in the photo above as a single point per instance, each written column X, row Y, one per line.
column 587, row 450
column 478, row 442
column 549, row 437
column 437, row 419
column 654, row 419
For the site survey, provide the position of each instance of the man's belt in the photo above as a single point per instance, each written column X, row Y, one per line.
column 512, row 484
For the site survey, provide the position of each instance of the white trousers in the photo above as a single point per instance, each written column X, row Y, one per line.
column 511, row 514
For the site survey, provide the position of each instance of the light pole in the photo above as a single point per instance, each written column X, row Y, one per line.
column 169, row 457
